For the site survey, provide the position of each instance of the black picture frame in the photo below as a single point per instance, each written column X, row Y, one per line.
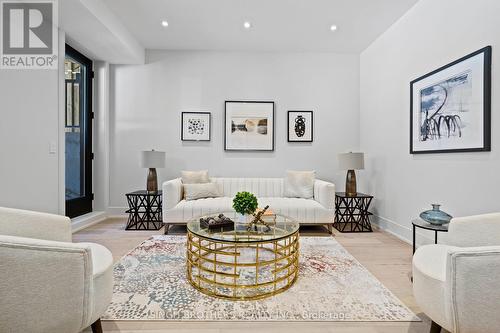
column 209, row 126
column 249, row 102
column 486, row 104
column 288, row 126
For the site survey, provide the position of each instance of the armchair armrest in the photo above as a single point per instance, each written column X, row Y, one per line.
column 172, row 194
column 473, row 288
column 24, row 223
column 324, row 193
column 47, row 281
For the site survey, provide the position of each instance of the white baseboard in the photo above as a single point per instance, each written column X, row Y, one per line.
column 85, row 221
column 116, row 212
column 402, row 232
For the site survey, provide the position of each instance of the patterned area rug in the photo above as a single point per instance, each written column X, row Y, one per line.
column 151, row 284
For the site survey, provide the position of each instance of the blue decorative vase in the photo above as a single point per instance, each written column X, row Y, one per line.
column 435, row 216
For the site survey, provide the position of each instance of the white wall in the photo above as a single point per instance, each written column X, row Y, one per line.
column 101, row 136
column 30, row 121
column 432, row 34
column 147, row 101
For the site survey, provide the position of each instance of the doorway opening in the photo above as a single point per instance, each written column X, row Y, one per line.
column 78, row 133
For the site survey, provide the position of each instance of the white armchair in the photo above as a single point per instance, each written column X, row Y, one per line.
column 457, row 284
column 47, row 283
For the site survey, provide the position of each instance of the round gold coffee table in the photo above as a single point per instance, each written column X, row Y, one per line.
column 240, row 264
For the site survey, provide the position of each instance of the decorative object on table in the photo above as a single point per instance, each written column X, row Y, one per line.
column 220, row 223
column 257, row 221
column 419, row 223
column 436, row 216
column 351, row 212
column 152, row 159
column 299, row 184
column 267, row 216
column 195, row 126
column 249, row 126
column 245, row 203
column 350, row 162
column 145, row 210
column 300, row 126
column 451, row 107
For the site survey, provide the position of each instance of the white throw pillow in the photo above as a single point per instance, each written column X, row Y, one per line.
column 195, row 177
column 299, row 184
column 200, row 191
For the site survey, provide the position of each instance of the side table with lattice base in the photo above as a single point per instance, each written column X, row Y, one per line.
column 351, row 212
column 145, row 210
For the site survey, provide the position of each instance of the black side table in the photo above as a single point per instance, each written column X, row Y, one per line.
column 145, row 210
column 419, row 223
column 351, row 212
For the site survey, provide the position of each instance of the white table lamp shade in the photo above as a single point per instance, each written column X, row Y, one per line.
column 351, row 161
column 152, row 159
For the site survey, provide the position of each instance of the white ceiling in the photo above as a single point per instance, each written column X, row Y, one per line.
column 83, row 20
column 277, row 25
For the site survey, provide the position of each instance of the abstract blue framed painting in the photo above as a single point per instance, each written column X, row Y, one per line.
column 450, row 108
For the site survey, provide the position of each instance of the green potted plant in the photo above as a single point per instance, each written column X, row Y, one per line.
column 244, row 203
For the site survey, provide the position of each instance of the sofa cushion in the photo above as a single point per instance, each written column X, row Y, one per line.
column 195, row 177
column 302, row 210
column 200, row 191
column 299, row 184
column 260, row 187
column 186, row 210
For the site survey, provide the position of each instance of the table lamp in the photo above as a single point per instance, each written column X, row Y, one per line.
column 350, row 162
column 152, row 159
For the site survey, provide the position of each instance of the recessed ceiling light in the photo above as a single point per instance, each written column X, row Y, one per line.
column 164, row 23
column 333, row 27
column 247, row 25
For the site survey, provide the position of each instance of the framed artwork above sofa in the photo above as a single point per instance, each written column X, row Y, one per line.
column 195, row 126
column 249, row 126
column 300, row 126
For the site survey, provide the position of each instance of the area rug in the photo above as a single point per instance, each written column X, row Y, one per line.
column 151, row 284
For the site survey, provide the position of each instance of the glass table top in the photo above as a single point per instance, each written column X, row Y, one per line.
column 280, row 227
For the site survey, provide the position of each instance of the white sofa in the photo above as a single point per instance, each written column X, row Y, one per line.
column 47, row 283
column 269, row 191
column 457, row 283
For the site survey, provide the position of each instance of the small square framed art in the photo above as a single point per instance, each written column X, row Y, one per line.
column 195, row 126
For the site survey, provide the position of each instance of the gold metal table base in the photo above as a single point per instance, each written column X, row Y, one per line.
column 242, row 270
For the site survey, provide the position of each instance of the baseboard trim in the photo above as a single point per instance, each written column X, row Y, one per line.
column 114, row 212
column 402, row 232
column 87, row 220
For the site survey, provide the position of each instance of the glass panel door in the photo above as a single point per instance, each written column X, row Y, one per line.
column 78, row 133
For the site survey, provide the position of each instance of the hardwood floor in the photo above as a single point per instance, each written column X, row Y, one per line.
column 385, row 256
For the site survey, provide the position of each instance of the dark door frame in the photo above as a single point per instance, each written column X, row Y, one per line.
column 82, row 205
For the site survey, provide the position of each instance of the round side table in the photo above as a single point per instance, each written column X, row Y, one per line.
column 419, row 223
